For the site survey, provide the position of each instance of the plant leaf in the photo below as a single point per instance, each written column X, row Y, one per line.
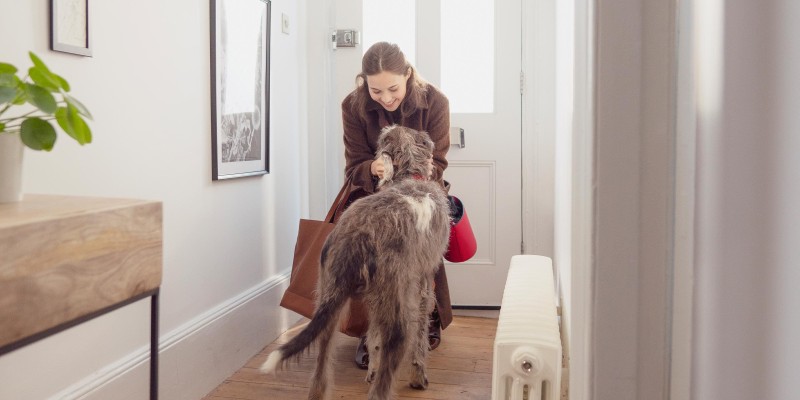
column 44, row 79
column 37, row 62
column 62, row 83
column 7, row 94
column 7, row 68
column 41, row 98
column 8, row 80
column 37, row 134
column 84, row 131
column 82, row 110
column 71, row 122
column 2, row 127
column 11, row 89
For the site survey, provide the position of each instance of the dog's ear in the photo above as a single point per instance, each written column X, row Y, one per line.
column 388, row 139
column 390, row 142
column 424, row 140
column 418, row 153
column 388, row 169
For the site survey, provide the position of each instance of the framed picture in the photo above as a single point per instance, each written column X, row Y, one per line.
column 69, row 27
column 240, row 46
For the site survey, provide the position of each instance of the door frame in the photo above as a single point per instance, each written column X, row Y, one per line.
column 538, row 124
column 581, row 311
column 641, row 187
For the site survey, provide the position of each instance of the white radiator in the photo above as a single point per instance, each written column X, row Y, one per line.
column 527, row 347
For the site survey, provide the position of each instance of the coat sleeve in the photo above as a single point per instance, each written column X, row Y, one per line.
column 357, row 153
column 439, row 130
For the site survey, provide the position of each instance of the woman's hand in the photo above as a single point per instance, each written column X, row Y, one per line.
column 376, row 168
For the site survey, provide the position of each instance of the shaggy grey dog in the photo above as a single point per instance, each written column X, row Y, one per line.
column 386, row 247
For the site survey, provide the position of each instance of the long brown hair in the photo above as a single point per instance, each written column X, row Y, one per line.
column 384, row 56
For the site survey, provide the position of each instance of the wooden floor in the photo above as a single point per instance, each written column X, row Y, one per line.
column 460, row 368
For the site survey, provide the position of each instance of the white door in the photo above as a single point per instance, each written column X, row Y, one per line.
column 471, row 49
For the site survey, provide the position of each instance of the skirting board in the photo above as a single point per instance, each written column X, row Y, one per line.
column 197, row 356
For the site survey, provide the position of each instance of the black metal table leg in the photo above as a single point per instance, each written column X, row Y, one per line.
column 153, row 294
column 154, row 346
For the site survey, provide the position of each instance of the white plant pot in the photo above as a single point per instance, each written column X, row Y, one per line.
column 11, row 150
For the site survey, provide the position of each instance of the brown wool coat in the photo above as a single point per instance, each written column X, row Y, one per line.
column 361, row 142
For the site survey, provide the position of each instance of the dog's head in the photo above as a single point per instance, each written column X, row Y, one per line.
column 405, row 153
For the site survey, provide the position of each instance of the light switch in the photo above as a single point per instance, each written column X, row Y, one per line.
column 284, row 23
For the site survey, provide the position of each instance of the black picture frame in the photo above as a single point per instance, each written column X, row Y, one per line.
column 69, row 27
column 240, row 49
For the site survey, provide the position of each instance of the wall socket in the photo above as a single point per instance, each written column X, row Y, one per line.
column 284, row 23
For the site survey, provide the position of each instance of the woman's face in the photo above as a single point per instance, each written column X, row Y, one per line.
column 387, row 88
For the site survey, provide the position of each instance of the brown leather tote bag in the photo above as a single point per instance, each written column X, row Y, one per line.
column 300, row 296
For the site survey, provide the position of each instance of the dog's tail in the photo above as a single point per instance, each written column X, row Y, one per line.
column 332, row 299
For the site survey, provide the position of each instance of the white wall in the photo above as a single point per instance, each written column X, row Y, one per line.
column 227, row 244
column 617, row 169
column 324, row 111
column 632, row 224
column 684, row 200
column 539, row 122
column 746, row 321
column 562, row 194
column 737, row 216
column 656, row 202
column 578, row 308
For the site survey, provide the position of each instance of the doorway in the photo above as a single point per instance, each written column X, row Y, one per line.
column 471, row 50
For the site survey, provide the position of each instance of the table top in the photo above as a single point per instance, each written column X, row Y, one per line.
column 43, row 207
column 65, row 257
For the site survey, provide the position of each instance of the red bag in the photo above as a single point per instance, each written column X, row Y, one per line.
column 462, row 245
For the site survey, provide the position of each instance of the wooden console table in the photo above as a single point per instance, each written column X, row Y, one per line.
column 65, row 260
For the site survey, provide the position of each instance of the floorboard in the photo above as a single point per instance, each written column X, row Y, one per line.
column 460, row 368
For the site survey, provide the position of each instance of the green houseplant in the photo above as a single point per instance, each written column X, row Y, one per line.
column 42, row 97
column 28, row 107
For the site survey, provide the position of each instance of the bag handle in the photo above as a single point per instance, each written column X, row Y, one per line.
column 341, row 198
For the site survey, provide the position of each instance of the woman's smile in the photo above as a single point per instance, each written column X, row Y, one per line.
column 387, row 89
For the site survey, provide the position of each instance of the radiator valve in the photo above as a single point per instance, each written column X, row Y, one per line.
column 526, row 366
column 531, row 366
column 528, row 361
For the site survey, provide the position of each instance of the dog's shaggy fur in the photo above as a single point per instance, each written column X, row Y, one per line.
column 386, row 247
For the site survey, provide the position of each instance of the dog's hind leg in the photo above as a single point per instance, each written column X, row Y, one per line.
column 330, row 306
column 322, row 380
column 390, row 354
column 336, row 283
column 374, row 344
column 419, row 343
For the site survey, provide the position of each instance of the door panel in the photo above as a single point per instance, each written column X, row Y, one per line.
column 486, row 173
column 484, row 224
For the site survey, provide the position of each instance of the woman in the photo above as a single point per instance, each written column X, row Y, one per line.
column 389, row 91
